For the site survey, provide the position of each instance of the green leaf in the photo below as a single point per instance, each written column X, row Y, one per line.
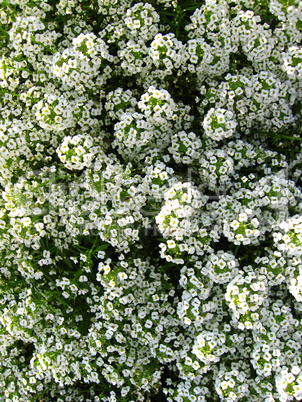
column 68, row 263
column 102, row 247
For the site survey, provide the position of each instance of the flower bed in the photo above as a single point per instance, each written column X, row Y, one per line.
column 150, row 218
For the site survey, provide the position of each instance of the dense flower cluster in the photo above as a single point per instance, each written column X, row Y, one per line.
column 151, row 200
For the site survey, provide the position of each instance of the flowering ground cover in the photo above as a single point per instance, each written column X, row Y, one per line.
column 151, row 200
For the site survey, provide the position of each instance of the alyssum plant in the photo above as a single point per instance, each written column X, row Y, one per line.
column 150, row 211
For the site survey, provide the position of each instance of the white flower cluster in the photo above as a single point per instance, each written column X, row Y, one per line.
column 245, row 295
column 151, row 201
column 77, row 67
column 55, row 113
column 179, row 219
column 221, row 268
column 166, row 53
column 219, row 124
column 151, row 126
column 185, row 148
column 246, row 100
column 78, row 151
